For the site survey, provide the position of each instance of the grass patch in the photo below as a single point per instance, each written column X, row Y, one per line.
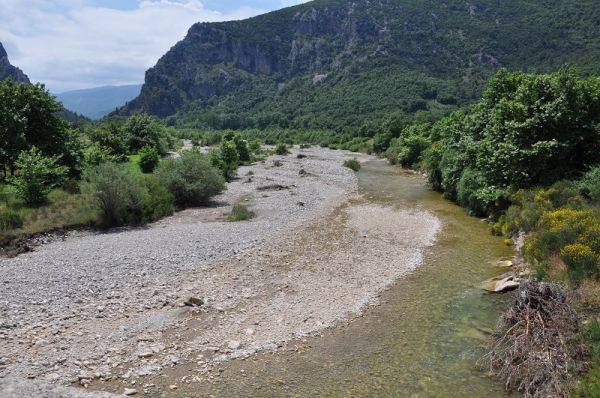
column 133, row 162
column 62, row 210
column 240, row 213
column 352, row 164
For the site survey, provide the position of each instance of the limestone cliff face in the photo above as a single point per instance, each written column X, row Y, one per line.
column 215, row 59
column 7, row 70
column 380, row 55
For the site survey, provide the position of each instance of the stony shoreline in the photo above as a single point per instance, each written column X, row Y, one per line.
column 109, row 307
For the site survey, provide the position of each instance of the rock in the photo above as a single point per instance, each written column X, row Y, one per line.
column 130, row 391
column 504, row 263
column 146, row 354
column 502, row 283
column 234, row 345
column 194, row 302
column 172, row 387
column 302, row 172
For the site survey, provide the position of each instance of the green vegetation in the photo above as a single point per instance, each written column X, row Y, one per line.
column 149, row 159
column 240, row 213
column 352, row 164
column 191, row 179
column 35, row 175
column 426, row 58
column 281, row 149
column 526, row 156
column 125, row 197
column 45, row 162
column 9, row 220
column 27, row 120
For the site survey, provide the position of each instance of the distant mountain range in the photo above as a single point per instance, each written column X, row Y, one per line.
column 95, row 103
column 342, row 63
column 7, row 70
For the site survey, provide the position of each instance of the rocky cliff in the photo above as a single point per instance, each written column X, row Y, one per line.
column 7, row 70
column 329, row 63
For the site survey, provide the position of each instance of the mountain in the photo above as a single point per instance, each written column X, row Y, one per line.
column 97, row 102
column 341, row 63
column 7, row 70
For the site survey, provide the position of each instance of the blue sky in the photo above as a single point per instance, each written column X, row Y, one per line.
column 73, row 44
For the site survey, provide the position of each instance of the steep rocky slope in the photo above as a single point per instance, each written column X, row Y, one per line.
column 7, row 70
column 330, row 63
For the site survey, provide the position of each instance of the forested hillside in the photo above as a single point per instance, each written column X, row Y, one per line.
column 338, row 64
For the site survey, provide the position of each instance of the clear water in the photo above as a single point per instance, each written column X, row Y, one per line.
column 423, row 340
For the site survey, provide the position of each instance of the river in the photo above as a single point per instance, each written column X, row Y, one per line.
column 424, row 339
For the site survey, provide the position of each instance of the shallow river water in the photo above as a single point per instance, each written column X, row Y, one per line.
column 422, row 341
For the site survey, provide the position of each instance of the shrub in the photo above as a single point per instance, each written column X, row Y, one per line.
column 589, row 185
column 352, row 164
column 149, row 159
column 281, row 149
column 254, row 146
column 36, row 175
column 125, row 197
column 157, row 202
column 191, row 179
column 241, row 146
column 9, row 220
column 229, row 159
column 115, row 190
column 240, row 213
column 581, row 261
column 95, row 154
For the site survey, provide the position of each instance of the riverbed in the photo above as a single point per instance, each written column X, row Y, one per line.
column 423, row 340
column 372, row 292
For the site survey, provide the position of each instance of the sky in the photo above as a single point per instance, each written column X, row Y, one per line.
column 75, row 44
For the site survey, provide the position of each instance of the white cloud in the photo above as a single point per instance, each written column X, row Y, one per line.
column 72, row 44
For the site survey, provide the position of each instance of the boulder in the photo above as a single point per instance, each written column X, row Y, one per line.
column 502, row 283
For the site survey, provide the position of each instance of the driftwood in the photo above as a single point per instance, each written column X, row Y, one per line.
column 534, row 348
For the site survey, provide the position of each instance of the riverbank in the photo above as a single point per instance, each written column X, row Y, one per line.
column 109, row 307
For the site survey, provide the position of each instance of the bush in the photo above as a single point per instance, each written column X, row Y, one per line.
column 9, row 220
column 126, row 197
column 581, row 261
column 157, row 202
column 589, row 185
column 352, row 164
column 149, row 159
column 240, row 213
column 191, row 179
column 95, row 154
column 281, row 149
column 36, row 175
column 241, row 146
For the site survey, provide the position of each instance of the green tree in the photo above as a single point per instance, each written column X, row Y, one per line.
column 149, row 159
column 144, row 130
column 241, row 146
column 527, row 130
column 229, row 157
column 36, row 175
column 112, row 137
column 28, row 119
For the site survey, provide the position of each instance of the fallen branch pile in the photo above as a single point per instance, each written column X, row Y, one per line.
column 534, row 347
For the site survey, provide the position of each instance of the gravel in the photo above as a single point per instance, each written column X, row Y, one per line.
column 111, row 306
